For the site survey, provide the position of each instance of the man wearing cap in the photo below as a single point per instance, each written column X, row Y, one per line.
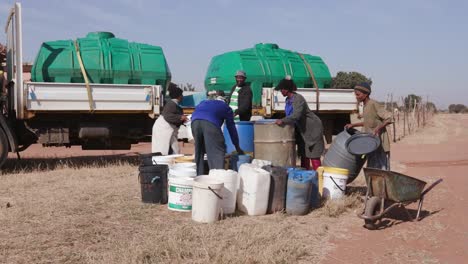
column 207, row 120
column 308, row 126
column 166, row 127
column 240, row 99
column 375, row 120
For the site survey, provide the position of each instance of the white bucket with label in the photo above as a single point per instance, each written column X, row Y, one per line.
column 180, row 194
column 206, row 199
column 334, row 182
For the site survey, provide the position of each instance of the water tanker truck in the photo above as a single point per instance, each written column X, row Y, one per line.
column 265, row 65
column 98, row 92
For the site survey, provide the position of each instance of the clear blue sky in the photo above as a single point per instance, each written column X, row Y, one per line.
column 406, row 47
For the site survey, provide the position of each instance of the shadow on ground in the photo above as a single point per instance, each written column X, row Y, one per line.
column 13, row 166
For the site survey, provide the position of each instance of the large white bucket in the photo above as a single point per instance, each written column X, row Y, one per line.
column 229, row 191
column 254, row 189
column 206, row 199
column 181, row 172
column 180, row 194
column 334, row 182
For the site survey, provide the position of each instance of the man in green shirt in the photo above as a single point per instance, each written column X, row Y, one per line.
column 375, row 120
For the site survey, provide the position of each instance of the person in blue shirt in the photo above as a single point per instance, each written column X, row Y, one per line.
column 207, row 120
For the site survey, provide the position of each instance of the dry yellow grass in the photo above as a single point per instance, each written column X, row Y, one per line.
column 77, row 214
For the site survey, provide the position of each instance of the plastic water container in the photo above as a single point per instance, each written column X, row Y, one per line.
column 260, row 163
column 299, row 192
column 230, row 180
column 182, row 173
column 338, row 155
column 180, row 194
column 206, row 199
column 245, row 130
column 153, row 181
column 163, row 160
column 334, row 182
column 184, row 165
column 238, row 160
column 277, row 195
column 254, row 188
column 147, row 159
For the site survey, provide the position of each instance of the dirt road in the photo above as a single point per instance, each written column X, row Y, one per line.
column 440, row 151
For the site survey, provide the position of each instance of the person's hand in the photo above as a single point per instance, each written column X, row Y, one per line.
column 279, row 122
column 377, row 131
column 184, row 118
column 348, row 126
column 239, row 150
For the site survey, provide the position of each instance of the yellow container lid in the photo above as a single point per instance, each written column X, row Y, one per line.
column 336, row 170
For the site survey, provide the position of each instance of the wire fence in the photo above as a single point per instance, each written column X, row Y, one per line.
column 408, row 116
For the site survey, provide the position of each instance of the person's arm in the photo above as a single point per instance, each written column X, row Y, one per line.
column 385, row 116
column 172, row 115
column 245, row 101
column 231, row 127
column 299, row 106
column 359, row 124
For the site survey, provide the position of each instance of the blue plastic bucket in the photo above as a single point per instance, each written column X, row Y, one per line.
column 245, row 130
column 302, row 192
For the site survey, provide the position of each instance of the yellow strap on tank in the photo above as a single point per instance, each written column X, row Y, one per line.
column 312, row 76
column 85, row 76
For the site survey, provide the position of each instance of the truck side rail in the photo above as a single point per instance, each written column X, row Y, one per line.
column 329, row 100
column 73, row 97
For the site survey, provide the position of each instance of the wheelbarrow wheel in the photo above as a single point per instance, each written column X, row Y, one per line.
column 372, row 208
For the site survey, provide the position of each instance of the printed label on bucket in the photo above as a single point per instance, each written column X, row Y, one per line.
column 180, row 198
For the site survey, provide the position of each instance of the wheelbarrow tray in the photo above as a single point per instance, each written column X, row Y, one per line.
column 393, row 186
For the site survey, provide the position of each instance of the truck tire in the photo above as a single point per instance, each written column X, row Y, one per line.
column 3, row 147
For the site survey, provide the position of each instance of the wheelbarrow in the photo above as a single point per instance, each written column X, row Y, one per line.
column 391, row 189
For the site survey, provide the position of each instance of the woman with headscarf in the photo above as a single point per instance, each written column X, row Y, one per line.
column 166, row 127
column 308, row 126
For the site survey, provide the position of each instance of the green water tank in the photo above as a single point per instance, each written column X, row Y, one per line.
column 265, row 65
column 107, row 59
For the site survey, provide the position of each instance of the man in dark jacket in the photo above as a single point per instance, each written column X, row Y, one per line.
column 240, row 99
column 207, row 120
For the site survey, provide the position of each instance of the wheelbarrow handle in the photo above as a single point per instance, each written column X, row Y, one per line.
column 430, row 187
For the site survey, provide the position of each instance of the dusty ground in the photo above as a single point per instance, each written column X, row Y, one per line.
column 440, row 151
column 71, row 206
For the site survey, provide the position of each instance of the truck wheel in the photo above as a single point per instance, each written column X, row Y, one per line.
column 3, row 147
column 372, row 208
